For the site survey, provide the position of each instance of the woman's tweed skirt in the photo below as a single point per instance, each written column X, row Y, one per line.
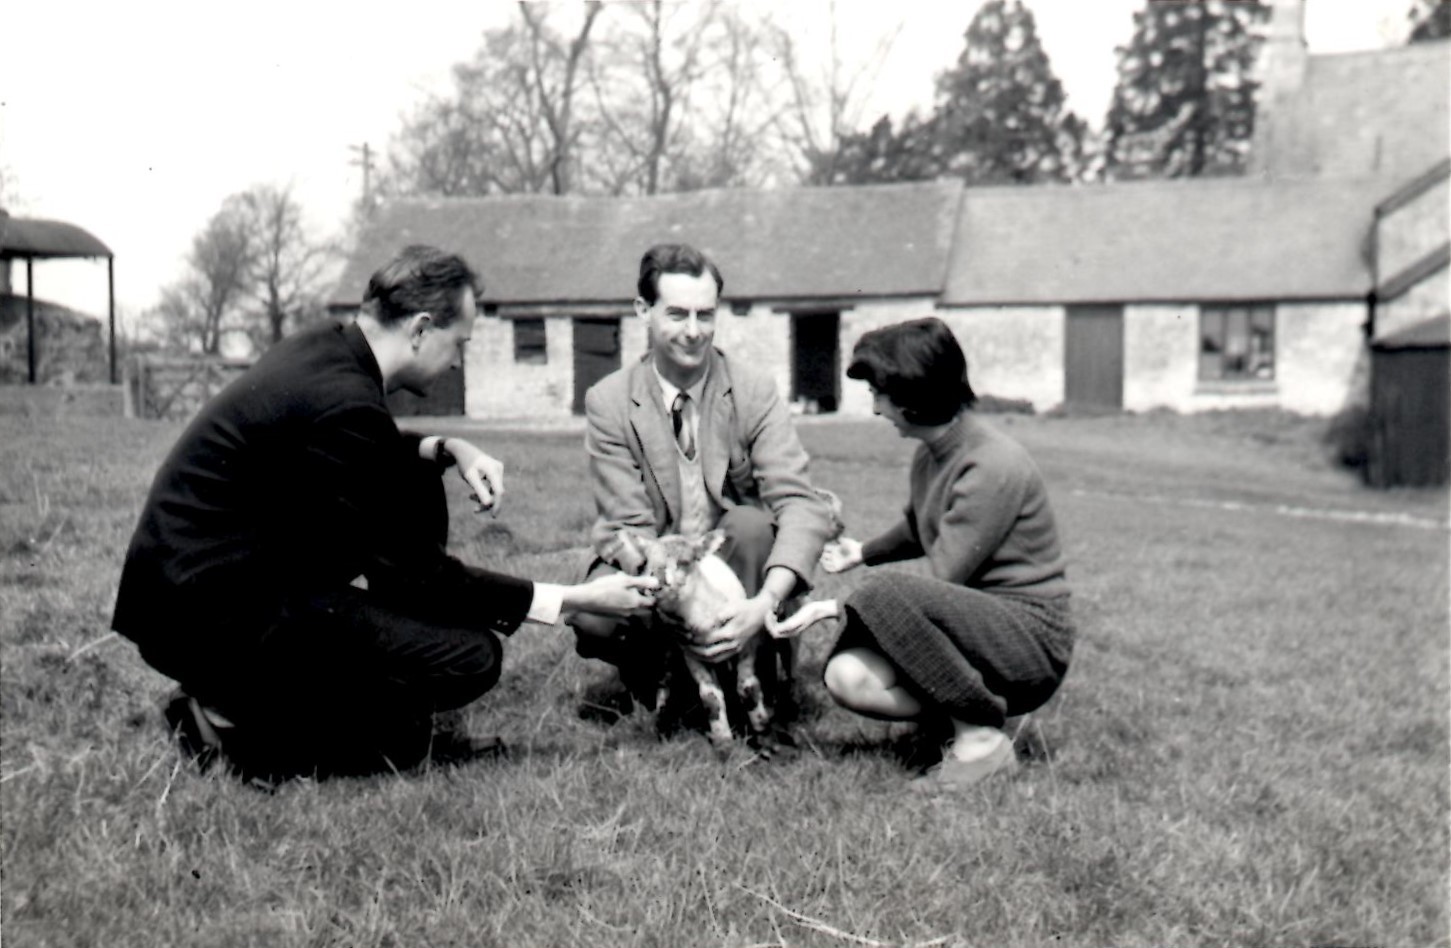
column 976, row 656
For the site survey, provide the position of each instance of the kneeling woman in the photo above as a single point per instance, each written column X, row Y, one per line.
column 989, row 634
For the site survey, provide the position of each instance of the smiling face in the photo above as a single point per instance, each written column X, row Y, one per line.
column 682, row 325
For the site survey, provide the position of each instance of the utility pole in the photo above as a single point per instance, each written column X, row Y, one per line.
column 365, row 159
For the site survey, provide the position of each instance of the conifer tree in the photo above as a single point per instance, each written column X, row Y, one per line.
column 1431, row 20
column 1000, row 116
column 1184, row 103
column 878, row 155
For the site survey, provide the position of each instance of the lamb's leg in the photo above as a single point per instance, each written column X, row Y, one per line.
column 662, row 692
column 712, row 697
column 748, row 686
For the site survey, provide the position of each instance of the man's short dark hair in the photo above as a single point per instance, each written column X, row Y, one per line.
column 672, row 258
column 420, row 279
column 919, row 366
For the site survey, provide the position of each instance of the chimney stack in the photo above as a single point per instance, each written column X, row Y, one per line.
column 1284, row 56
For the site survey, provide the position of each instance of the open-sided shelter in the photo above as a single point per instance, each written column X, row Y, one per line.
column 32, row 239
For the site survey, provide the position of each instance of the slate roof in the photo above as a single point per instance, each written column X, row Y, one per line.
column 1171, row 241
column 22, row 237
column 794, row 243
column 1379, row 112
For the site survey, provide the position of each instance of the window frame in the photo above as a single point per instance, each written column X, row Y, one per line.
column 531, row 347
column 1242, row 354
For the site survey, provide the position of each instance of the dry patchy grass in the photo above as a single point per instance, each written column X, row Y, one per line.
column 1251, row 748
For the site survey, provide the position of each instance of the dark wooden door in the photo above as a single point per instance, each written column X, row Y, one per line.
column 1094, row 357
column 596, row 354
column 816, row 360
column 1410, row 415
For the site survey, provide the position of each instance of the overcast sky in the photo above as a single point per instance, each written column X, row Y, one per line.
column 135, row 119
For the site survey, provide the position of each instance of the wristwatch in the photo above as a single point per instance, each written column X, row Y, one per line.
column 441, row 457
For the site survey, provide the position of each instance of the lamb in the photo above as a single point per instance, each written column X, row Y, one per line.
column 696, row 586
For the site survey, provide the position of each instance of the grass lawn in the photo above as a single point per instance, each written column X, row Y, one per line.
column 1251, row 748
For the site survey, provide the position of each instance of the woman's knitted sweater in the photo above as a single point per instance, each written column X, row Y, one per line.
column 979, row 512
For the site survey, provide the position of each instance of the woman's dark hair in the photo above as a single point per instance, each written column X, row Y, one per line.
column 672, row 258
column 420, row 279
column 919, row 366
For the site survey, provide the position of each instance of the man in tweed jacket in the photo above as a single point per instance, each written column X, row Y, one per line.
column 737, row 465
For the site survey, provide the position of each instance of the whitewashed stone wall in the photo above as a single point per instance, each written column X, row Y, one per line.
column 1431, row 297
column 498, row 388
column 856, row 397
column 1318, row 352
column 1413, row 230
column 1013, row 351
column 1161, row 360
column 1320, row 364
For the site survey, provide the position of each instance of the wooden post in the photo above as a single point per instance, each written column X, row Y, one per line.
column 111, row 310
column 30, row 316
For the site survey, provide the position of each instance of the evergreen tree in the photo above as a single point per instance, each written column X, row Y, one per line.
column 878, row 155
column 1000, row 115
column 1432, row 19
column 1184, row 103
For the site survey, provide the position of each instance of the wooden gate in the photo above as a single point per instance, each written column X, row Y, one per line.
column 1093, row 354
column 596, row 354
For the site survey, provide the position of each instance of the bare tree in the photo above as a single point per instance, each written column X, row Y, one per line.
column 654, row 97
column 206, row 304
column 825, row 108
column 510, row 124
column 287, row 264
column 253, row 271
column 487, row 136
column 555, row 77
column 641, row 87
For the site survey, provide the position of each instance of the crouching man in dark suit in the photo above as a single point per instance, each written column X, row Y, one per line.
column 289, row 485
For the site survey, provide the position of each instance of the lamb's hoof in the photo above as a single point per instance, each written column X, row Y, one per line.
column 774, row 745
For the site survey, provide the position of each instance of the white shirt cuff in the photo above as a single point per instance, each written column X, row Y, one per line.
column 546, row 605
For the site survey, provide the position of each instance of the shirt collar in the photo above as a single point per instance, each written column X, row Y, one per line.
column 669, row 391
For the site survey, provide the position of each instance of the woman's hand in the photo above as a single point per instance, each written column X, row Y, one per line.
column 613, row 594
column 841, row 555
column 484, row 474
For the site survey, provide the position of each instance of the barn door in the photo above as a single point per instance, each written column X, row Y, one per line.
column 596, row 354
column 1094, row 357
column 816, row 360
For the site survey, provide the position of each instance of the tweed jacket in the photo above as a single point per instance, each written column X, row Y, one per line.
column 749, row 454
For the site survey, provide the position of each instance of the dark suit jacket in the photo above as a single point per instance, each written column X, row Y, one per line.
column 293, row 480
column 749, row 454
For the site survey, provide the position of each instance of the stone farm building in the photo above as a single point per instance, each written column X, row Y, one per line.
column 804, row 269
column 1266, row 290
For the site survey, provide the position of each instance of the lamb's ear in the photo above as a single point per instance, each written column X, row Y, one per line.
column 710, row 542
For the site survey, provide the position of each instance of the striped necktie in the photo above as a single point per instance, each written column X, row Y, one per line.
column 680, row 418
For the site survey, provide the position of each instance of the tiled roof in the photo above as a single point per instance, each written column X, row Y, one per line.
column 1381, row 112
column 1180, row 240
column 879, row 240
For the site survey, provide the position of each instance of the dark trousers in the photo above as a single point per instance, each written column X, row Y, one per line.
column 346, row 679
column 639, row 650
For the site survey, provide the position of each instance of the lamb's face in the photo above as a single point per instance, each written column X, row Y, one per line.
column 669, row 560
